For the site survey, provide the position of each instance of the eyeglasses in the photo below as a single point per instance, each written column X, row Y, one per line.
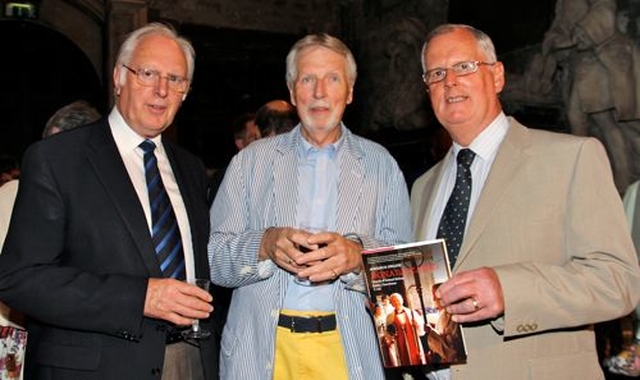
column 459, row 69
column 149, row 77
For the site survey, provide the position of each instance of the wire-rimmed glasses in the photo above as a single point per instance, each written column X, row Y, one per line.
column 459, row 69
column 150, row 77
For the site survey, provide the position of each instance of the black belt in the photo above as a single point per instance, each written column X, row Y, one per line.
column 308, row 324
column 174, row 336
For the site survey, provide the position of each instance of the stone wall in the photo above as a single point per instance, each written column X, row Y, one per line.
column 280, row 16
column 81, row 22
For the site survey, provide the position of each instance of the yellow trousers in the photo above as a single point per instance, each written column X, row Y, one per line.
column 309, row 356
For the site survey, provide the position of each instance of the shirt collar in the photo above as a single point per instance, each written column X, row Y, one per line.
column 126, row 138
column 486, row 144
column 308, row 151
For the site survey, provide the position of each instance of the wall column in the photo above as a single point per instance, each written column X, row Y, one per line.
column 123, row 16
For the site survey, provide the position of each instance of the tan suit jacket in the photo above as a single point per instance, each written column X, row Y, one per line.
column 550, row 222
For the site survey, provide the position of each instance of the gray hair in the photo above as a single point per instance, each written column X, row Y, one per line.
column 70, row 116
column 324, row 40
column 130, row 44
column 484, row 41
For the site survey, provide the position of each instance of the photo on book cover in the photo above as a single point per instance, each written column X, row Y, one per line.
column 412, row 328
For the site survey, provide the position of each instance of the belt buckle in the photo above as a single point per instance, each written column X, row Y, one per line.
column 174, row 336
column 319, row 324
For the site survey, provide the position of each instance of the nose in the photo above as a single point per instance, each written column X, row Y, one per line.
column 450, row 79
column 319, row 90
column 162, row 86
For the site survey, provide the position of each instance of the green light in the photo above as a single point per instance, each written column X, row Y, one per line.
column 20, row 10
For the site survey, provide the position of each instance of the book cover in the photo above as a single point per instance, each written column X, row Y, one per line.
column 412, row 328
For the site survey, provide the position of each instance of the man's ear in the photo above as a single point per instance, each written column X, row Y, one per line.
column 291, row 95
column 116, row 80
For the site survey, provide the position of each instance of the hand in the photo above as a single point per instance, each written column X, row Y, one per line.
column 282, row 246
column 330, row 253
column 337, row 255
column 472, row 296
column 176, row 301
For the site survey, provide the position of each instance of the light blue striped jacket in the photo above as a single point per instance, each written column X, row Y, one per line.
column 259, row 191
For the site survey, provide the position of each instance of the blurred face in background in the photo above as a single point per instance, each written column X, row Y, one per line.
column 251, row 134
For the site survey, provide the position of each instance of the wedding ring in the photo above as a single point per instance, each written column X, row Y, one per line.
column 289, row 261
column 475, row 304
column 335, row 274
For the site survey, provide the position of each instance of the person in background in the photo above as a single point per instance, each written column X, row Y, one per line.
column 276, row 117
column 67, row 117
column 543, row 251
column 84, row 258
column 9, row 168
column 70, row 116
column 245, row 132
column 294, row 312
column 627, row 361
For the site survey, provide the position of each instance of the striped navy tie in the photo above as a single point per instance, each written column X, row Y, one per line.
column 454, row 217
column 165, row 232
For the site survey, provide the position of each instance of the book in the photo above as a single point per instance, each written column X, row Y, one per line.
column 412, row 328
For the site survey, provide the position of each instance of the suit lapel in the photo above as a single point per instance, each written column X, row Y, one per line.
column 426, row 205
column 285, row 177
column 107, row 163
column 512, row 154
column 350, row 184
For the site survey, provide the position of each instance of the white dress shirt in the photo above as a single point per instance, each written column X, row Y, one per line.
column 128, row 143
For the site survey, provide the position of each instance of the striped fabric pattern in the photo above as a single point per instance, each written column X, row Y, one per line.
column 165, row 231
column 258, row 192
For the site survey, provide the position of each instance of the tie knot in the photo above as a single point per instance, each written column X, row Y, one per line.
column 147, row 146
column 465, row 157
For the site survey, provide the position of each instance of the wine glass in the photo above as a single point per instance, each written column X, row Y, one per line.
column 196, row 331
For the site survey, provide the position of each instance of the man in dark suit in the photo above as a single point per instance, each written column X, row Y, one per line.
column 79, row 259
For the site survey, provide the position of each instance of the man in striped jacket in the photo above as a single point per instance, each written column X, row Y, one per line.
column 298, row 308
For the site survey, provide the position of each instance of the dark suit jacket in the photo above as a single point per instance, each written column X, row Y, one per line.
column 78, row 256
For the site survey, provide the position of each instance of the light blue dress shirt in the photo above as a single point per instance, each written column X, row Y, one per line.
column 316, row 208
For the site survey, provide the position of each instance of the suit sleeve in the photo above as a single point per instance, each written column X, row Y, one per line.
column 598, row 279
column 39, row 275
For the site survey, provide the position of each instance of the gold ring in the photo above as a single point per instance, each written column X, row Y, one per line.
column 475, row 304
column 289, row 261
column 335, row 274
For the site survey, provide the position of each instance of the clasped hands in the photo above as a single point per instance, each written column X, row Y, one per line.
column 328, row 254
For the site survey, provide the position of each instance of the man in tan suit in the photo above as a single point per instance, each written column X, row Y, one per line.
column 546, row 251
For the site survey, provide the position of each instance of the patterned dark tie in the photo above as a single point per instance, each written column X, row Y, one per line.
column 454, row 217
column 165, row 232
